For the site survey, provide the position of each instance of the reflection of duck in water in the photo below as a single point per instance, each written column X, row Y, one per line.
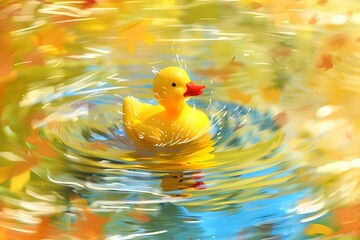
column 173, row 121
column 174, row 182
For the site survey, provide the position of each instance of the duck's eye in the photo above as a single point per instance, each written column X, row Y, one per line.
column 173, row 84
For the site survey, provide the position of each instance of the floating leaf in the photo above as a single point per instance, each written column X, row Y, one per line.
column 8, row 78
column 271, row 94
column 281, row 119
column 314, row 20
column 93, row 225
column 43, row 147
column 19, row 181
column 3, row 88
column 237, row 95
column 98, row 145
column 136, row 32
column 277, row 52
column 322, row 2
column 19, row 174
column 315, row 229
column 140, row 216
column 34, row 58
column 337, row 41
column 88, row 4
column 54, row 37
column 4, row 173
column 44, row 230
column 325, row 62
column 349, row 220
column 223, row 74
column 6, row 61
column 255, row 5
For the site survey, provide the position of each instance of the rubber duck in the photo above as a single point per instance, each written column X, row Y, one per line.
column 172, row 121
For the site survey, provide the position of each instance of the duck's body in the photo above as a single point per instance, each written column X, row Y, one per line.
column 173, row 121
column 145, row 123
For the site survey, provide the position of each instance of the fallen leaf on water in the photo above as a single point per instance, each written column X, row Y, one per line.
column 88, row 4
column 349, row 221
column 140, row 216
column 87, row 220
column 255, row 5
column 5, row 79
column 43, row 147
column 5, row 173
column 98, row 145
column 45, row 2
column 93, row 225
column 136, row 32
column 325, row 62
column 314, row 20
column 8, row 78
column 19, row 181
column 34, row 58
column 322, row 2
column 271, row 94
column 44, row 230
column 19, row 173
column 337, row 41
column 237, row 95
column 235, row 63
column 314, row 229
column 277, row 52
column 55, row 37
column 281, row 119
column 223, row 74
column 6, row 61
column 348, row 135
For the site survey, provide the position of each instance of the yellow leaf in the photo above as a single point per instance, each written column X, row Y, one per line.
column 4, row 173
column 271, row 94
column 19, row 181
column 55, row 38
column 237, row 95
column 314, row 229
column 135, row 32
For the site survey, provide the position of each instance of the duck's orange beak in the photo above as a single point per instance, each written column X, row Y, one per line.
column 193, row 90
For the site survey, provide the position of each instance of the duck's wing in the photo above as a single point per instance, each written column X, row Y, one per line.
column 146, row 133
column 135, row 112
column 132, row 109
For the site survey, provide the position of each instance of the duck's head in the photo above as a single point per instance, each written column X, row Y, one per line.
column 172, row 87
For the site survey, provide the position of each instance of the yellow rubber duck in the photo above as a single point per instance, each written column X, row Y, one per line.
column 172, row 122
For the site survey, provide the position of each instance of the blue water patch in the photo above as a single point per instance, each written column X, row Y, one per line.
column 252, row 216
